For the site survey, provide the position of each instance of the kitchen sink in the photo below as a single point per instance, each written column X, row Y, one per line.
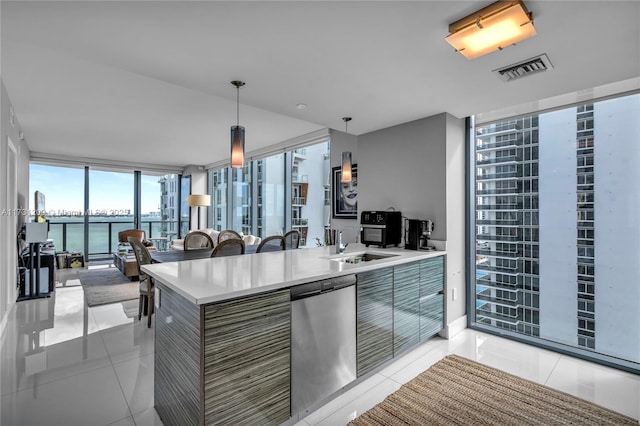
column 362, row 257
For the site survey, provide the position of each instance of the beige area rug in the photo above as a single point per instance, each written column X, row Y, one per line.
column 457, row 391
column 107, row 285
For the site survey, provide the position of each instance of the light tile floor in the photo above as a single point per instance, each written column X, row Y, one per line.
column 63, row 363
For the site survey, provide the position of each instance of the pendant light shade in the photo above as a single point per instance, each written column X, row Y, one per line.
column 237, row 133
column 237, row 147
column 345, row 170
column 345, row 175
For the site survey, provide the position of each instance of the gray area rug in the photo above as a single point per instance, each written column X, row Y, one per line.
column 108, row 285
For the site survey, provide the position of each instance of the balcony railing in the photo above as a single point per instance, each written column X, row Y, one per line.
column 513, row 143
column 499, row 160
column 500, row 191
column 501, row 222
column 498, row 253
column 514, row 206
column 489, row 237
column 301, row 201
column 299, row 222
column 68, row 234
column 496, row 176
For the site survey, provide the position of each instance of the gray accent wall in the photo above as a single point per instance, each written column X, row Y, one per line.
column 341, row 141
column 418, row 168
column 404, row 167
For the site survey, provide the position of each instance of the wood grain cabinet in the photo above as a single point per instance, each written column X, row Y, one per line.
column 406, row 307
column 431, row 297
column 374, row 319
column 397, row 308
column 223, row 363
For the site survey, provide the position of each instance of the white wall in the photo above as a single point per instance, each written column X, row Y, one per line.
column 12, row 176
column 419, row 169
column 455, row 218
column 558, row 231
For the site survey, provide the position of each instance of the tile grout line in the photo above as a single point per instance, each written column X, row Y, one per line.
column 552, row 371
column 345, row 404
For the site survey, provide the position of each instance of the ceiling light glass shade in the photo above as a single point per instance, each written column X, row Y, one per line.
column 198, row 200
column 345, row 172
column 495, row 27
column 237, row 147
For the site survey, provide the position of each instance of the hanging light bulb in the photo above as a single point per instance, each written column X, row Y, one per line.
column 345, row 171
column 237, row 133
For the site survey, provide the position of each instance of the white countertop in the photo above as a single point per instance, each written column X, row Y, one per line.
column 209, row 280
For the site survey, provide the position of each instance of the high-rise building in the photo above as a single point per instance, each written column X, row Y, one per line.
column 169, row 202
column 507, row 225
column 557, row 239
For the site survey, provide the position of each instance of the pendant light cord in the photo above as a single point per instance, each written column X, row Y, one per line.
column 237, row 105
column 346, row 123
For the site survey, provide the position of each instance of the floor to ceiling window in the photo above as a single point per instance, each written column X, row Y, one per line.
column 241, row 199
column 159, row 205
column 63, row 188
column 218, row 184
column 110, row 209
column 557, row 240
column 185, row 216
column 310, row 204
column 111, row 206
column 272, row 195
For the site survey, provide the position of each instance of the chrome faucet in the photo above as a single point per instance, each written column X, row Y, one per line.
column 339, row 246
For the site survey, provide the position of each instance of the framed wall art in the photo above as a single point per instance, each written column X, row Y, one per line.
column 345, row 195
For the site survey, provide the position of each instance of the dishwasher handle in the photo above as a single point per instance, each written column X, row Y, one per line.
column 315, row 288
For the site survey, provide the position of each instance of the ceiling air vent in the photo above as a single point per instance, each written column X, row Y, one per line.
column 525, row 68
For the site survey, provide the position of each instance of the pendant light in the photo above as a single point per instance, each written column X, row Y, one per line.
column 237, row 133
column 345, row 171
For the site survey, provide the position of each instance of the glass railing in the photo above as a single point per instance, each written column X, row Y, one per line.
column 68, row 233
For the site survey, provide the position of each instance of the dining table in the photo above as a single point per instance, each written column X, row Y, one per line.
column 193, row 254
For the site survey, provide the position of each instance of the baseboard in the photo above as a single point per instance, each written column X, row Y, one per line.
column 454, row 327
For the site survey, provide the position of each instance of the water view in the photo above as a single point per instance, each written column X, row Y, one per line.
column 67, row 232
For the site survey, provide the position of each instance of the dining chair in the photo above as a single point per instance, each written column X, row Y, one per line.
column 272, row 243
column 197, row 240
column 291, row 240
column 146, row 287
column 230, row 247
column 228, row 234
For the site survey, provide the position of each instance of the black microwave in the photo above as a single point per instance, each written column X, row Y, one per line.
column 381, row 228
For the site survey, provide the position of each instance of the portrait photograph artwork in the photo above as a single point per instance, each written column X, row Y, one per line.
column 345, row 194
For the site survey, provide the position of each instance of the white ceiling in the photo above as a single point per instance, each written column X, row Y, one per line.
column 149, row 81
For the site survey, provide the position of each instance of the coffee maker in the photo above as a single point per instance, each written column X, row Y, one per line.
column 417, row 233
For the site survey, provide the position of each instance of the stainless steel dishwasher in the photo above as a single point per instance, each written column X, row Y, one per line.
column 323, row 339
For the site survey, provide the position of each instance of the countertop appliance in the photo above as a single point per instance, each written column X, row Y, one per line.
column 417, row 233
column 382, row 228
column 323, row 339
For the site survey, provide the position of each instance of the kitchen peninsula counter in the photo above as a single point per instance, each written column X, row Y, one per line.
column 210, row 280
column 223, row 326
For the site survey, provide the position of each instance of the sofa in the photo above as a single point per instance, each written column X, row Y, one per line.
column 248, row 239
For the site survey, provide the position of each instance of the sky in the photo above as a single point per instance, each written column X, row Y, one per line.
column 110, row 192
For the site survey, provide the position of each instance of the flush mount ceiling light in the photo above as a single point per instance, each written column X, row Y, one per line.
column 492, row 28
column 345, row 170
column 237, row 133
